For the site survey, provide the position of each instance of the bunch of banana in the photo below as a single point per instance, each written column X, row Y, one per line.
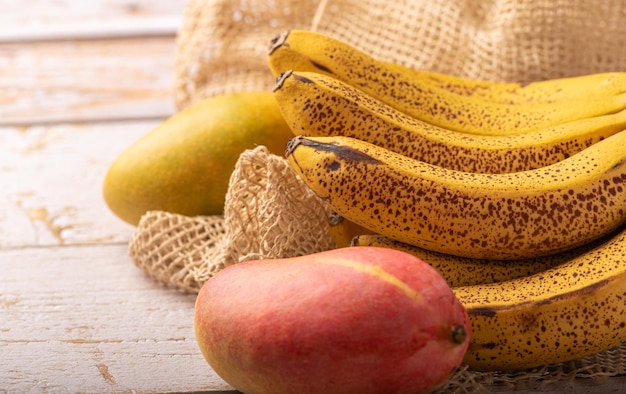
column 318, row 105
column 515, row 193
column 423, row 97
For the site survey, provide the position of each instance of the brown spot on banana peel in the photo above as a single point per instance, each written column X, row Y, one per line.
column 282, row 77
column 488, row 345
column 302, row 79
column 332, row 166
column 321, row 67
column 618, row 165
column 488, row 312
column 347, row 152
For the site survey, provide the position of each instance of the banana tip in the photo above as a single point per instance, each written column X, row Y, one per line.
column 292, row 144
column 277, row 42
column 280, row 79
column 334, row 219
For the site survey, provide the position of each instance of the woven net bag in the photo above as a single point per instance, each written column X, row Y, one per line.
column 269, row 212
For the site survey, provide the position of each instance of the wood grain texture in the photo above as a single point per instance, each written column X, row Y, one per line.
column 38, row 20
column 80, row 81
column 51, row 182
column 85, row 319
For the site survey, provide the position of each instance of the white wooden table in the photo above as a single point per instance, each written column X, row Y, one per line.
column 79, row 82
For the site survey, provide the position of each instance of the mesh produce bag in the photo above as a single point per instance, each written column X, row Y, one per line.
column 269, row 212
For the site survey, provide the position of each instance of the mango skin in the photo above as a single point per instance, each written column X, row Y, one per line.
column 349, row 320
column 184, row 164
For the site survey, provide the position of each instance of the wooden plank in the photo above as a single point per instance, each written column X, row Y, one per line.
column 51, row 182
column 86, row 80
column 83, row 30
column 67, row 19
column 85, row 319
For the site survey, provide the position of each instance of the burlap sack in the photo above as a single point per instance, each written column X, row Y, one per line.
column 269, row 212
column 222, row 45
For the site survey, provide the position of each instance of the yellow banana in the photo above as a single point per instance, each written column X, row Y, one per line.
column 502, row 216
column 342, row 231
column 573, row 310
column 441, row 107
column 462, row 271
column 304, row 50
column 319, row 105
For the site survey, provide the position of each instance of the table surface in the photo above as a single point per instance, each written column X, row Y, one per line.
column 79, row 82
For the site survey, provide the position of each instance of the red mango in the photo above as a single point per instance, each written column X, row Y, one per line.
column 349, row 320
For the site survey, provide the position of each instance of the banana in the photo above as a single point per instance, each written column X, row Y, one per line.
column 494, row 216
column 567, row 312
column 319, row 105
column 304, row 50
column 436, row 105
column 462, row 271
column 342, row 231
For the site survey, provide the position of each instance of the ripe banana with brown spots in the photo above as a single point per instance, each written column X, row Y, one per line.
column 439, row 106
column 493, row 216
column 319, row 105
column 463, row 271
column 567, row 312
column 303, row 50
